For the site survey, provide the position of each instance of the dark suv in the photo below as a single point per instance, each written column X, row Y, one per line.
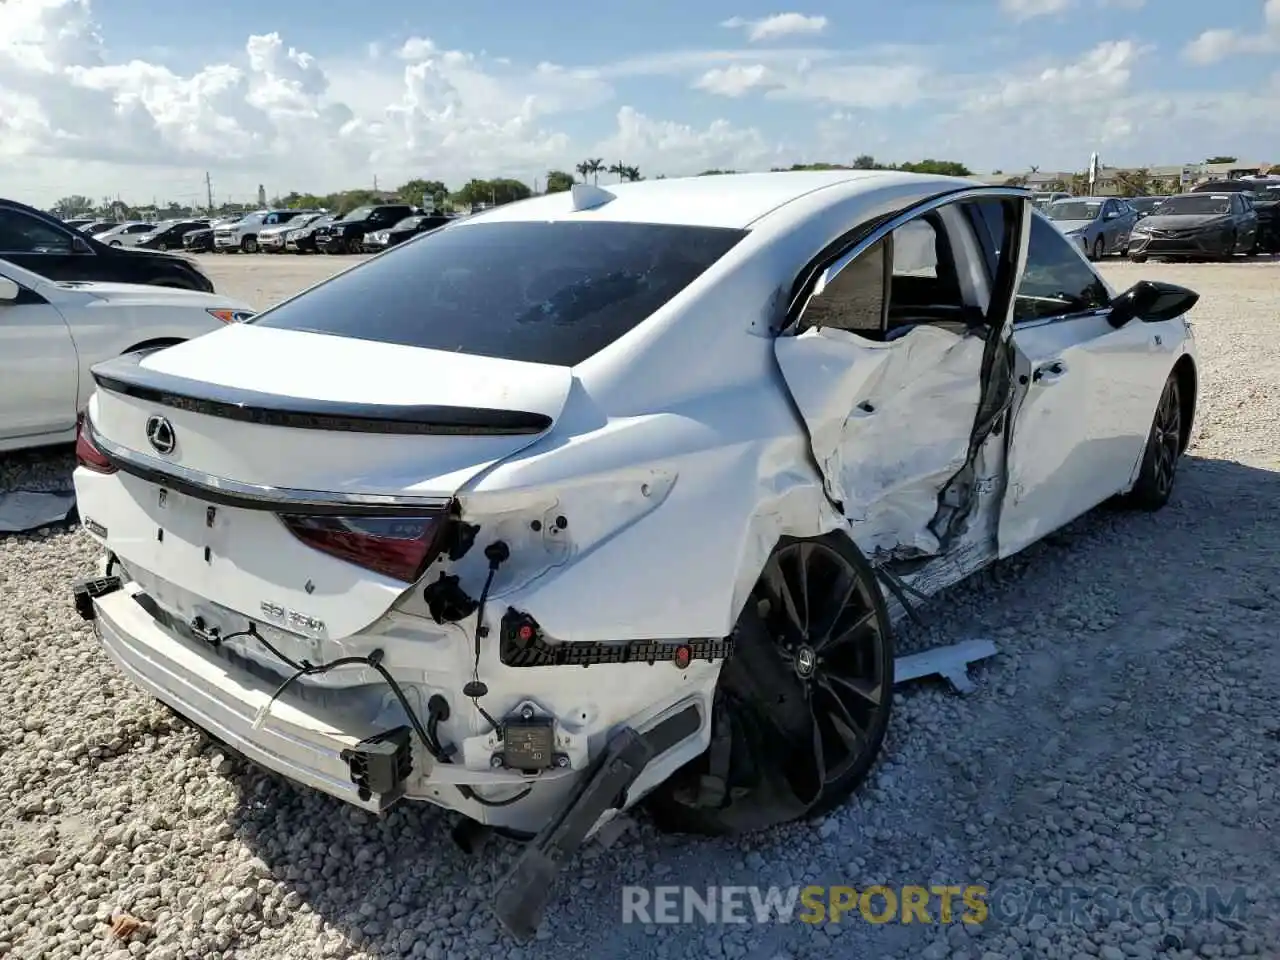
column 168, row 236
column 45, row 245
column 347, row 235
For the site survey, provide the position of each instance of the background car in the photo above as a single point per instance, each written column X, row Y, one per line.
column 98, row 226
column 168, row 235
column 127, row 234
column 303, row 239
column 1263, row 194
column 407, row 228
column 1099, row 225
column 1145, row 206
column 46, row 246
column 54, row 332
column 347, row 235
column 272, row 239
column 1197, row 226
column 78, row 222
column 242, row 234
column 520, row 406
column 1042, row 200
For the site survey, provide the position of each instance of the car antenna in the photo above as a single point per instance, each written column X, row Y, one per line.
column 588, row 197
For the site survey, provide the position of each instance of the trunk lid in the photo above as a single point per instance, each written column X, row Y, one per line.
column 278, row 444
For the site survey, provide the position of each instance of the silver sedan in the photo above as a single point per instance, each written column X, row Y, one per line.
column 1100, row 225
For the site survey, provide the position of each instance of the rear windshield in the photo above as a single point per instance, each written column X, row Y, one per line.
column 540, row 292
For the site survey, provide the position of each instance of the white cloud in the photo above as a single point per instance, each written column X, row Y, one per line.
column 76, row 119
column 654, row 144
column 1029, row 9
column 777, row 25
column 733, row 80
column 1221, row 43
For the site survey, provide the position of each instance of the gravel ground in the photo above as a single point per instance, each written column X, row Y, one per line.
column 1127, row 735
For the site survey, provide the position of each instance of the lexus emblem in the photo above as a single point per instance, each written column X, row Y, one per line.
column 806, row 662
column 160, row 435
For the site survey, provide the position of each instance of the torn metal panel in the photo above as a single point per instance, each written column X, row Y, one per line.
column 889, row 423
column 950, row 662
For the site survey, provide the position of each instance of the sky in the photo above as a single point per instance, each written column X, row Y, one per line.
column 142, row 98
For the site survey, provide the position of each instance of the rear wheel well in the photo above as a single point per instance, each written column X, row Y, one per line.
column 1185, row 371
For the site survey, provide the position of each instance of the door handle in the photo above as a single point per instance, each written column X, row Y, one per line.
column 1050, row 372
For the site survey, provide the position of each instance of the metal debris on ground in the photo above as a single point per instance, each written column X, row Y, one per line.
column 950, row 662
column 23, row 510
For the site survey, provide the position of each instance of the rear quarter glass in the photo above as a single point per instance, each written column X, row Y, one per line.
column 553, row 293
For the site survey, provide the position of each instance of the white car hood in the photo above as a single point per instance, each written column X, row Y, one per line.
column 142, row 294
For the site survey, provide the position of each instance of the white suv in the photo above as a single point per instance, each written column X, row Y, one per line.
column 243, row 234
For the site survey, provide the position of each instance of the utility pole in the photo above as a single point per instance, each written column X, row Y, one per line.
column 375, row 183
column 208, row 186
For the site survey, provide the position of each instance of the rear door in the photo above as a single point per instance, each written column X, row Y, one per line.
column 1086, row 392
column 893, row 364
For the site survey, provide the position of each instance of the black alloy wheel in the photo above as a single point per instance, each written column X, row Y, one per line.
column 802, row 703
column 1159, row 468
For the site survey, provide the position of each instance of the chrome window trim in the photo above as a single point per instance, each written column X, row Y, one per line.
column 906, row 216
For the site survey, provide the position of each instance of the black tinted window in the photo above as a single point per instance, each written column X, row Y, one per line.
column 1056, row 280
column 22, row 233
column 541, row 292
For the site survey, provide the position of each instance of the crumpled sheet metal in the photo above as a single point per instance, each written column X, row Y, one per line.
column 24, row 510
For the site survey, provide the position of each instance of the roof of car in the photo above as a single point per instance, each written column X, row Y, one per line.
column 722, row 200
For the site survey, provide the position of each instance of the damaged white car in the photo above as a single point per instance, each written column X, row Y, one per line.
column 615, row 494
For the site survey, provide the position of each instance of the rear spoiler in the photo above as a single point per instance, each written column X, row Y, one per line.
column 127, row 377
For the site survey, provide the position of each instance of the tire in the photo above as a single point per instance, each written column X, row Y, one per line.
column 249, row 244
column 1229, row 248
column 1159, row 467
column 1099, row 249
column 802, row 703
column 115, row 243
column 1137, row 258
column 162, row 246
column 355, row 246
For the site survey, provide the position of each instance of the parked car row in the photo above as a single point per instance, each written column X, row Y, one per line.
column 369, row 229
column 1212, row 221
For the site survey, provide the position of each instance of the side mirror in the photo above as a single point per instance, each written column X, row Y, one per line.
column 1152, row 302
column 80, row 245
column 9, row 290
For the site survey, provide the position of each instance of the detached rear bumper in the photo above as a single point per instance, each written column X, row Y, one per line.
column 299, row 741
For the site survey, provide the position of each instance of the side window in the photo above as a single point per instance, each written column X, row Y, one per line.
column 270, row 219
column 20, row 233
column 141, row 228
column 1056, row 281
column 855, row 298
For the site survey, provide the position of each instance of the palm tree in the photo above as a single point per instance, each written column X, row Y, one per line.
column 584, row 169
column 595, row 166
column 631, row 174
column 618, row 169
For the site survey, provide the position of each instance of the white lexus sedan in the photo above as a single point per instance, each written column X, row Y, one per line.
column 606, row 494
column 52, row 332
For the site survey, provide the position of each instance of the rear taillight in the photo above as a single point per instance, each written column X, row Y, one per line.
column 87, row 453
column 396, row 547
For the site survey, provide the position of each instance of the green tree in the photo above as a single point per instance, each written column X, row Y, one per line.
column 591, row 167
column 558, row 181
column 497, row 192
column 631, row 174
column 941, row 168
column 1221, row 160
column 715, row 173
column 865, row 161
column 617, row 169
column 73, row 206
column 421, row 192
